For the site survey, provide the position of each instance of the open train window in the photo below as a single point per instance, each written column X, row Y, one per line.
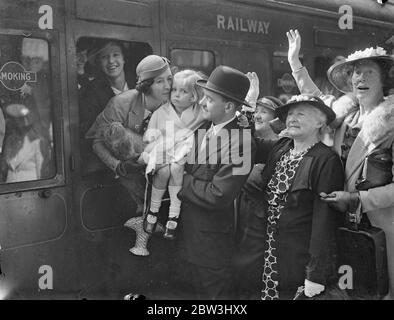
column 200, row 60
column 105, row 68
column 26, row 132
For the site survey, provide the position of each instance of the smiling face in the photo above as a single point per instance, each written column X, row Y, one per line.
column 367, row 80
column 111, row 60
column 214, row 107
column 181, row 95
column 303, row 121
column 262, row 117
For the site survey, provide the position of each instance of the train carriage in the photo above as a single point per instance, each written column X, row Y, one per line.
column 62, row 233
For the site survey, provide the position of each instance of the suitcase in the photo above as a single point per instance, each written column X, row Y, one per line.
column 363, row 248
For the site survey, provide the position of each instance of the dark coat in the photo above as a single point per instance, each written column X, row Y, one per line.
column 208, row 194
column 93, row 101
column 305, row 233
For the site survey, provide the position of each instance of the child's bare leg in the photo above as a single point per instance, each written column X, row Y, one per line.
column 175, row 185
column 160, row 181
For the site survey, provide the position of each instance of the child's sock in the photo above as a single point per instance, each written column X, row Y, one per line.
column 175, row 203
column 155, row 203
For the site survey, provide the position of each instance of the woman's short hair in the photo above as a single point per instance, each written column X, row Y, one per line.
column 189, row 78
column 144, row 85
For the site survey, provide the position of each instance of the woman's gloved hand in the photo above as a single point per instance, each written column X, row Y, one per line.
column 253, row 93
column 294, row 39
column 312, row 289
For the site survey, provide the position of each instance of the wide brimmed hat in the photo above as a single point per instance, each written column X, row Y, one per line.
column 151, row 67
column 269, row 102
column 228, row 82
column 281, row 112
column 340, row 73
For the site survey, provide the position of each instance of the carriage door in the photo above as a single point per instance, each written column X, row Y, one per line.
column 100, row 201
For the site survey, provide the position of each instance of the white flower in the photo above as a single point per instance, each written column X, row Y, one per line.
column 367, row 53
column 301, row 97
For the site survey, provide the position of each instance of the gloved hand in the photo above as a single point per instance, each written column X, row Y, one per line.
column 342, row 201
column 129, row 166
column 293, row 56
column 312, row 289
column 253, row 93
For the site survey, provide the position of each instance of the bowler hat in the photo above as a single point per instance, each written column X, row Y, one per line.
column 151, row 67
column 281, row 112
column 341, row 72
column 228, row 82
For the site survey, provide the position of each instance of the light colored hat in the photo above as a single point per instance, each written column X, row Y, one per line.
column 151, row 67
column 35, row 48
column 341, row 72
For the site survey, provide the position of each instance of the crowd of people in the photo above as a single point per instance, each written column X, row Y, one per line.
column 293, row 168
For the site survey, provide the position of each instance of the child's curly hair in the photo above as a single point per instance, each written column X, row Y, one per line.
column 123, row 143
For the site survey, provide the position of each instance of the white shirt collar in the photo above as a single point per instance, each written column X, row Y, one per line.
column 116, row 91
column 218, row 127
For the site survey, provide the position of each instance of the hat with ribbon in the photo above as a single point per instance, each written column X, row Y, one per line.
column 228, row 82
column 340, row 73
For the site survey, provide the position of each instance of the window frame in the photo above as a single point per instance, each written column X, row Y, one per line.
column 58, row 180
column 212, row 52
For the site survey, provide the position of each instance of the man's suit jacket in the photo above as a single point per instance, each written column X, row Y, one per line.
column 209, row 188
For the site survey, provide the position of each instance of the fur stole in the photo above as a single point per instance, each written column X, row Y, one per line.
column 378, row 125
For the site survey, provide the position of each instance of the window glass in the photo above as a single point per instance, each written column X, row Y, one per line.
column 27, row 149
column 193, row 59
column 284, row 85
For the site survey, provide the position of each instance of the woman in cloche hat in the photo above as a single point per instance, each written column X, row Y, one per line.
column 364, row 128
column 132, row 109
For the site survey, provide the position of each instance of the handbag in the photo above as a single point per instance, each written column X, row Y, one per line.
column 377, row 170
column 363, row 247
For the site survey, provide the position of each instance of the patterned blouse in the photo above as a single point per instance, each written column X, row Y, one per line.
column 277, row 191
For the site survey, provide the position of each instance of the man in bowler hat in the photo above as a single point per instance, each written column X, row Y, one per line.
column 222, row 160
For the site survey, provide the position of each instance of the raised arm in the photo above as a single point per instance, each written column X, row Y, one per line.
column 304, row 82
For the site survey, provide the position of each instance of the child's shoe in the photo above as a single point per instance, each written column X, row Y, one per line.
column 150, row 222
column 170, row 232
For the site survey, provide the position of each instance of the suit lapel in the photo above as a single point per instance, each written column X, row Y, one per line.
column 215, row 153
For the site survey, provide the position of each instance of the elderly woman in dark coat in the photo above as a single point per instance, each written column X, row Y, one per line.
column 300, row 232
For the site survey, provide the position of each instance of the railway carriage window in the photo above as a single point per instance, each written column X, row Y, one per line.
column 284, row 85
column 25, row 98
column 193, row 59
column 104, row 68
